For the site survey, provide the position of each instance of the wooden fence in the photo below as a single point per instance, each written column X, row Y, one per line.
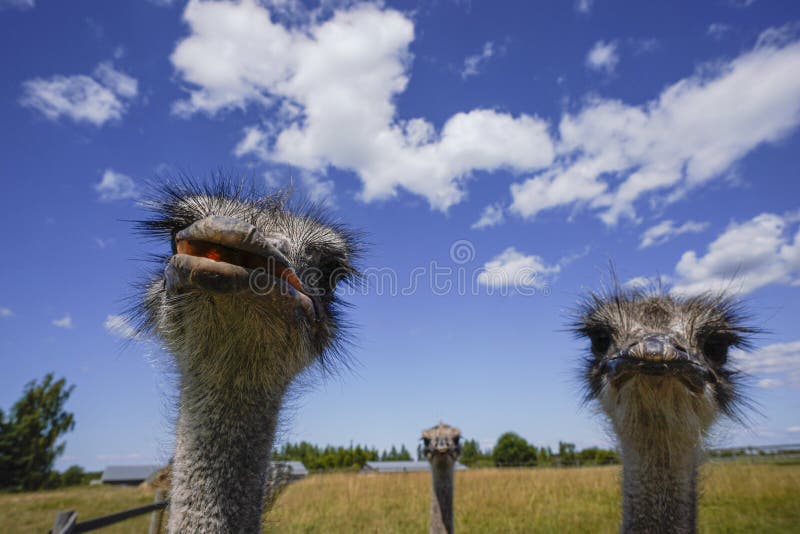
column 67, row 521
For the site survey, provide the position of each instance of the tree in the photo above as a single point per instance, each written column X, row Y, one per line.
column 566, row 453
column 513, row 450
column 29, row 434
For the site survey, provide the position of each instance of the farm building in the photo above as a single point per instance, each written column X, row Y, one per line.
column 127, row 475
column 297, row 469
column 401, row 467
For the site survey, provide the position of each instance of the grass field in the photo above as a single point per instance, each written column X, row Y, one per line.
column 760, row 498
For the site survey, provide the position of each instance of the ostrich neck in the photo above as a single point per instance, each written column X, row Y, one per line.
column 222, row 451
column 659, row 491
column 442, row 495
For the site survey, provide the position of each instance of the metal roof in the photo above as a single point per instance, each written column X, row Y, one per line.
column 403, row 467
column 119, row 473
column 297, row 468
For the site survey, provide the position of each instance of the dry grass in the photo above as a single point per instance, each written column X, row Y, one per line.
column 760, row 498
column 35, row 512
column 737, row 498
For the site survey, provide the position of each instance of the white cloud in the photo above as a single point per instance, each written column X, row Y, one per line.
column 782, row 360
column 18, row 4
column 473, row 64
column 744, row 257
column 119, row 326
column 793, row 429
column 319, row 190
column 63, row 322
column 644, row 282
column 512, row 268
column 119, row 82
column 718, row 30
column 82, row 98
column 741, row 3
column 584, row 6
column 253, row 143
column 666, row 230
column 5, row 312
column 603, row 57
column 104, row 242
column 770, row 383
column 692, row 133
column 340, row 79
column 492, row 216
column 116, row 186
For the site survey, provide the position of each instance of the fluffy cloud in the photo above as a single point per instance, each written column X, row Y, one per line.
column 603, row 57
column 335, row 83
column 116, row 186
column 82, row 98
column 744, row 257
column 492, row 216
column 584, row 6
column 5, row 312
column 319, row 190
column 781, row 360
column 63, row 322
column 718, row 30
column 18, row 4
column 511, row 268
column 473, row 64
column 117, row 325
column 666, row 230
column 691, row 134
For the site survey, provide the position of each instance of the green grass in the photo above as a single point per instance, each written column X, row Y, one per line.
column 737, row 497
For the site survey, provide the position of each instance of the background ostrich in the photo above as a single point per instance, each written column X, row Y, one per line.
column 658, row 367
column 244, row 303
column 442, row 449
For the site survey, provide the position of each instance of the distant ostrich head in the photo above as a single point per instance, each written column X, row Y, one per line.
column 248, row 276
column 658, row 363
column 442, row 442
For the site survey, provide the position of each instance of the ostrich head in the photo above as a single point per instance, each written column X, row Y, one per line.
column 658, row 363
column 246, row 296
column 442, row 442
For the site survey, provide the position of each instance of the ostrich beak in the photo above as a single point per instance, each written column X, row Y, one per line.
column 227, row 255
column 659, row 355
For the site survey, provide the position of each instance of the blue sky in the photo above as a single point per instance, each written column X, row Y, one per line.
column 523, row 145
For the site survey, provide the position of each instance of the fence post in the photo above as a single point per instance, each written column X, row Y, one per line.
column 65, row 522
column 157, row 516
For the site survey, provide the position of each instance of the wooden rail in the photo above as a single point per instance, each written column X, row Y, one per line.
column 67, row 521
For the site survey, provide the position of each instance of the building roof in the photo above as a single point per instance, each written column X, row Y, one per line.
column 403, row 467
column 297, row 468
column 120, row 473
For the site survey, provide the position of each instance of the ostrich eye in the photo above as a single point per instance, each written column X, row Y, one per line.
column 601, row 340
column 716, row 348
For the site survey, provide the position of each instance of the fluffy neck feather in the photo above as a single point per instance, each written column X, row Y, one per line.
column 442, row 495
column 659, row 494
column 223, row 445
column 661, row 429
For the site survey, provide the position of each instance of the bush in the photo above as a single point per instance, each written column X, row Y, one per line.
column 513, row 450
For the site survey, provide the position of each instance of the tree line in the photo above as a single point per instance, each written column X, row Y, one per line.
column 31, row 431
column 512, row 450
column 318, row 458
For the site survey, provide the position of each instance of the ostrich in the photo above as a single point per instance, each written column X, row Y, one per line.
column 244, row 303
column 658, row 367
column 442, row 449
